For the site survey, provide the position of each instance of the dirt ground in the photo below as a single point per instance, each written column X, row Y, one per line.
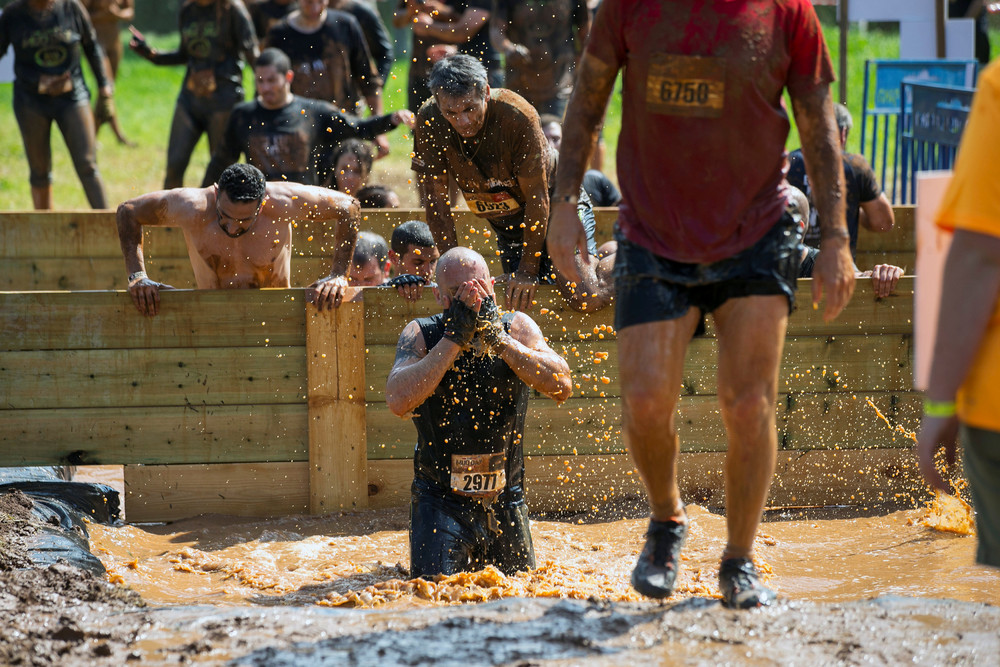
column 61, row 615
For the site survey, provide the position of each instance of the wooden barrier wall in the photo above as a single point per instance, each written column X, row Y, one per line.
column 79, row 250
column 252, row 403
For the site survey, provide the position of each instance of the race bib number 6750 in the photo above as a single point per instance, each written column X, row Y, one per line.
column 686, row 85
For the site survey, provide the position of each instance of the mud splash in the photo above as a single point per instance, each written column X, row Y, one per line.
column 360, row 560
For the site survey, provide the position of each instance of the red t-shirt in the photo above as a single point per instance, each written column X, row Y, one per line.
column 703, row 125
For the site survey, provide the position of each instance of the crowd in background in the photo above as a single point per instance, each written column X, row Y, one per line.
column 339, row 55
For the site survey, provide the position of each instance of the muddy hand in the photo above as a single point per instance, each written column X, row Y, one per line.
column 884, row 279
column 409, row 286
column 521, row 291
column 328, row 293
column 564, row 238
column 145, row 295
column 834, row 274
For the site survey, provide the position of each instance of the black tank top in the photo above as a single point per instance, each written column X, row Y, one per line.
column 478, row 408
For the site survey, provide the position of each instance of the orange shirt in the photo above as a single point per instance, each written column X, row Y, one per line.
column 972, row 203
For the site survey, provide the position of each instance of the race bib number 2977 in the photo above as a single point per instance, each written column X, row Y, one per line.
column 686, row 85
column 478, row 474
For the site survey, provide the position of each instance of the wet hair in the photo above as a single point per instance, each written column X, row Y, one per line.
column 457, row 76
column 242, row 182
column 370, row 245
column 843, row 116
column 358, row 149
column 375, row 196
column 411, row 232
column 549, row 119
column 276, row 58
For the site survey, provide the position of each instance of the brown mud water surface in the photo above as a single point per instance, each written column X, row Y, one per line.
column 876, row 587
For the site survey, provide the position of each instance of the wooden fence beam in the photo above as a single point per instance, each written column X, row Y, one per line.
column 338, row 456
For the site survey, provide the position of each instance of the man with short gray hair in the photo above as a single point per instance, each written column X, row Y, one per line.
column 491, row 143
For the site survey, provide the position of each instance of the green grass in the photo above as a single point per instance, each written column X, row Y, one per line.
column 145, row 101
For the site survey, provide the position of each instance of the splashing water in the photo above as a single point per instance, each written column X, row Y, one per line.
column 946, row 513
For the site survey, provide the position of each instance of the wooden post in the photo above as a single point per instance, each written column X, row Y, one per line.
column 845, row 24
column 338, row 455
column 940, row 16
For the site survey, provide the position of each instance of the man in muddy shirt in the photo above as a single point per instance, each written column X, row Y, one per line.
column 329, row 56
column 491, row 143
column 703, row 228
column 465, row 375
column 541, row 41
column 281, row 133
column 217, row 39
column 239, row 234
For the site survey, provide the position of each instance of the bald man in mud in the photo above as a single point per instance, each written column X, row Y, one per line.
column 491, row 143
column 465, row 375
column 239, row 234
column 703, row 229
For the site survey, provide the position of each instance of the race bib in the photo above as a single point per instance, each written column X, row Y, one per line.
column 686, row 85
column 491, row 204
column 478, row 474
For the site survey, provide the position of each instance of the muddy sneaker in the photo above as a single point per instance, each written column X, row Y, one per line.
column 740, row 584
column 655, row 573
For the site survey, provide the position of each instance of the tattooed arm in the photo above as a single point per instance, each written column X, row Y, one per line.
column 834, row 269
column 595, row 80
column 417, row 372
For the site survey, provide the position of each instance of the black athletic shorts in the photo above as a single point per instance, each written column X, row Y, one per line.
column 650, row 288
column 451, row 533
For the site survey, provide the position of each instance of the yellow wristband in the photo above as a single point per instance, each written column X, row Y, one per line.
column 943, row 409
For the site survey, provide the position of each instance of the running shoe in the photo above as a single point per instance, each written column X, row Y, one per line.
column 656, row 572
column 740, row 584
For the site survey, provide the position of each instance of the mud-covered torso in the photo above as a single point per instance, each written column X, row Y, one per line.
column 487, row 167
column 259, row 258
column 477, row 410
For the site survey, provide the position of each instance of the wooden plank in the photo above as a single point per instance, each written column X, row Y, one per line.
column 865, row 314
column 582, row 483
column 67, row 234
column 901, row 238
column 152, row 377
column 842, row 421
column 50, row 234
column 818, row 478
column 805, row 421
column 338, row 462
column 810, row 363
column 169, row 493
column 107, row 320
column 75, row 273
column 185, row 434
column 88, row 273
